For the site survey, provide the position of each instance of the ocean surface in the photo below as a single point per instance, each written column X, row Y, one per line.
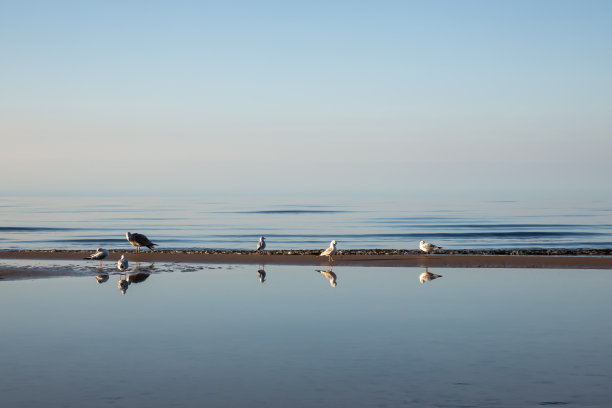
column 186, row 335
column 305, row 223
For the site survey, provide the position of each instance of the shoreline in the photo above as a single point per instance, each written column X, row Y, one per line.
column 546, row 258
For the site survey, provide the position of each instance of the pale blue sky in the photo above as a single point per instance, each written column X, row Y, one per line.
column 305, row 97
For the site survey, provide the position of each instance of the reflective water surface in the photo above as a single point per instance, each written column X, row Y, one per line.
column 186, row 335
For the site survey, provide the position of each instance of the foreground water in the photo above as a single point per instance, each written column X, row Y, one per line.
column 305, row 223
column 187, row 335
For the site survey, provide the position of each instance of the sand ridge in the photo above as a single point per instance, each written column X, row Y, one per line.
column 569, row 259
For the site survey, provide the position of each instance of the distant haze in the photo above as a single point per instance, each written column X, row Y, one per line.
column 299, row 97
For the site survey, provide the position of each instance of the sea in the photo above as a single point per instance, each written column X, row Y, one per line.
column 356, row 222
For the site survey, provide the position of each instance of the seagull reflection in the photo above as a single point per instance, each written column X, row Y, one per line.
column 123, row 284
column 428, row 276
column 261, row 274
column 135, row 277
column 329, row 274
column 138, row 277
column 101, row 278
column 139, row 274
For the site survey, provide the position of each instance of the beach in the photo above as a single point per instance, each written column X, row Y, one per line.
column 564, row 259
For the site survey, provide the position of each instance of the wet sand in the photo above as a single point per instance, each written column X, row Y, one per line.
column 572, row 259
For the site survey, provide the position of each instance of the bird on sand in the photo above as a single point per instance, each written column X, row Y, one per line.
column 122, row 264
column 428, row 276
column 261, row 245
column 329, row 274
column 427, row 247
column 100, row 254
column 139, row 240
column 330, row 251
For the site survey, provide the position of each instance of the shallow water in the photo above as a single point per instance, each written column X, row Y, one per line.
column 214, row 335
column 306, row 223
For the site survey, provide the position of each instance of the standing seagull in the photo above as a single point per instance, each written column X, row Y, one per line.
column 122, row 264
column 261, row 245
column 100, row 254
column 330, row 251
column 139, row 240
column 427, row 247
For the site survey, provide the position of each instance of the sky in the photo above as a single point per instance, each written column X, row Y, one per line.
column 305, row 97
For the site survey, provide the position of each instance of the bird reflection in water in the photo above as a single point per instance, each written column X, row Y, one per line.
column 261, row 274
column 329, row 274
column 123, row 284
column 101, row 278
column 137, row 276
column 428, row 276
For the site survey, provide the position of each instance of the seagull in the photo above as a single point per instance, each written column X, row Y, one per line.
column 329, row 275
column 100, row 254
column 261, row 245
column 122, row 264
column 139, row 240
column 428, row 276
column 330, row 251
column 427, row 247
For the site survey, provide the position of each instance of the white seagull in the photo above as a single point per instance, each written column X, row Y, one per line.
column 122, row 264
column 261, row 245
column 427, row 247
column 100, row 254
column 139, row 240
column 330, row 251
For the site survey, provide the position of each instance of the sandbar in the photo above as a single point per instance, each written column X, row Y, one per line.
column 566, row 259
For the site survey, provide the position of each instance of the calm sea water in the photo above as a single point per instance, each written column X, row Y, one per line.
column 187, row 335
column 305, row 223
